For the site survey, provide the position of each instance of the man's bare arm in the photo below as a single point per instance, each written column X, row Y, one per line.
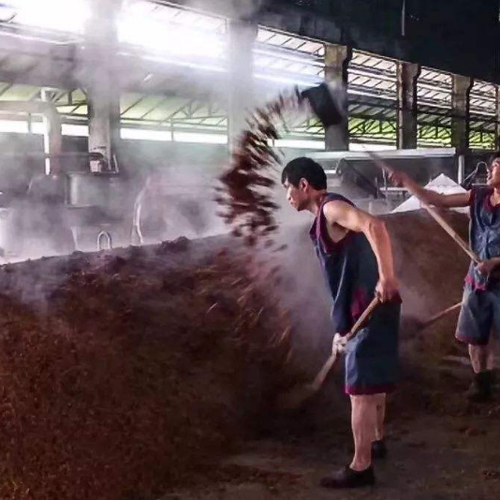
column 349, row 217
column 428, row 196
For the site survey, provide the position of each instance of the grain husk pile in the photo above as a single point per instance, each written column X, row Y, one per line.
column 123, row 372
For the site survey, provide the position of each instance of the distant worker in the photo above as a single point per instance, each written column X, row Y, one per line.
column 481, row 300
column 356, row 256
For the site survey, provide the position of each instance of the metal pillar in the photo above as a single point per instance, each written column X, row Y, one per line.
column 103, row 96
column 242, row 35
column 52, row 134
column 460, row 103
column 461, row 169
column 407, row 105
column 337, row 59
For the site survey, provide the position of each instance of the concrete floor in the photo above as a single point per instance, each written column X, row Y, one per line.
column 451, row 452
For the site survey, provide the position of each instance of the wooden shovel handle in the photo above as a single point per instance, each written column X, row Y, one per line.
column 441, row 314
column 325, row 370
column 363, row 318
column 321, row 376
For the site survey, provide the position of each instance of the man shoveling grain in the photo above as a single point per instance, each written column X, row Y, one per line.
column 481, row 301
column 356, row 256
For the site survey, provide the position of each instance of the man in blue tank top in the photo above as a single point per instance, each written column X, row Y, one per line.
column 356, row 257
column 481, row 301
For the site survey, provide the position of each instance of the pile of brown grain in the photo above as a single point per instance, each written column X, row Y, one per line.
column 130, row 373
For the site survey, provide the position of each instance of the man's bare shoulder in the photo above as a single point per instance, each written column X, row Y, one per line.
column 337, row 207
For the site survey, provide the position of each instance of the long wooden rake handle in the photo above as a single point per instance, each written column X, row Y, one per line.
column 432, row 212
column 442, row 314
column 461, row 243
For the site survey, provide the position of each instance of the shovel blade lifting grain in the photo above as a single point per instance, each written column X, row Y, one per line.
column 328, row 102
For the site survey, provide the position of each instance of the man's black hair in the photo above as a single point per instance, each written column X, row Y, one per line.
column 304, row 168
column 494, row 156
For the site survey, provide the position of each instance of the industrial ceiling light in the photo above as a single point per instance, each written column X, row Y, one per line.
column 183, row 63
column 200, row 138
column 277, row 54
column 14, row 126
column 53, row 15
column 161, row 38
column 289, row 80
column 148, row 29
column 300, row 144
column 145, row 135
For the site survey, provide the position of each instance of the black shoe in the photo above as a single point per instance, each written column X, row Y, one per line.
column 480, row 389
column 379, row 450
column 348, row 478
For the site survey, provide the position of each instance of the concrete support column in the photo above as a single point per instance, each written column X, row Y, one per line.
column 101, row 86
column 460, row 104
column 337, row 59
column 407, row 105
column 242, row 36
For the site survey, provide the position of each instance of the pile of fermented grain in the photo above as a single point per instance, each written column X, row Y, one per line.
column 122, row 373
column 247, row 187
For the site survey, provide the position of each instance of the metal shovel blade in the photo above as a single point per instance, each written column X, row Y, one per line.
column 328, row 102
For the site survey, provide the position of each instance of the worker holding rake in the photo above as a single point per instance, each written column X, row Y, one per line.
column 481, row 300
column 356, row 256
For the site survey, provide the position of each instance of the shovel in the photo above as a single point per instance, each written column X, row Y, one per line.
column 328, row 102
column 296, row 396
column 414, row 325
column 440, row 315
